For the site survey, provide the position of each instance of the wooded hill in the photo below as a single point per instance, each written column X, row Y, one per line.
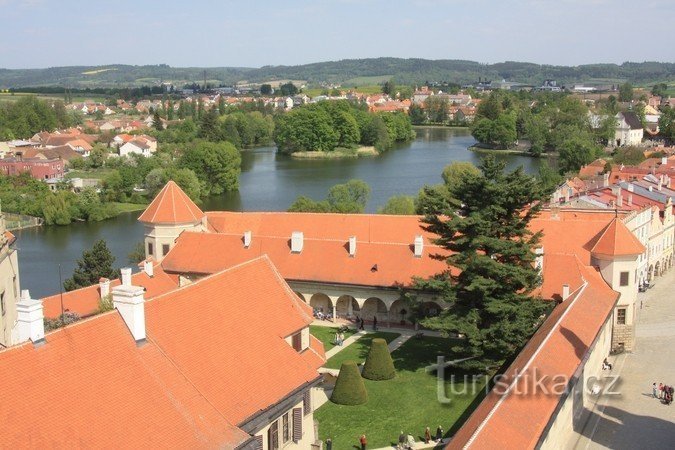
column 347, row 72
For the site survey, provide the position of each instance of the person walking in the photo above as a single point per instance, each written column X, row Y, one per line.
column 361, row 323
column 427, row 435
column 329, row 444
column 655, row 390
column 363, row 441
column 660, row 390
column 374, row 323
column 439, row 434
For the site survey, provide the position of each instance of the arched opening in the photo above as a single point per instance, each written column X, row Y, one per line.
column 430, row 309
column 345, row 306
column 650, row 274
column 300, row 296
column 374, row 307
column 321, row 304
column 399, row 312
column 657, row 269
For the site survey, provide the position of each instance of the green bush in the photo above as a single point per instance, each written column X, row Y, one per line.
column 349, row 387
column 379, row 365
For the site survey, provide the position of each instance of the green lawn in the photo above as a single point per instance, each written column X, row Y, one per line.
column 409, row 402
column 359, row 349
column 129, row 207
column 98, row 174
column 327, row 335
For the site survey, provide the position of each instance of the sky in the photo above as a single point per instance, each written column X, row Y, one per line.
column 255, row 33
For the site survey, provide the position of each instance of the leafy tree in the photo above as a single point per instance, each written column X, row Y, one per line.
column 303, row 129
column 208, row 126
column 216, row 165
column 389, row 88
column 266, row 89
column 486, row 232
column 607, row 128
column 347, row 129
column 137, row 255
column 97, row 157
column 549, row 178
column 660, row 90
column 350, row 197
column 57, row 209
column 437, row 108
column 417, row 114
column 576, row 151
column 629, row 156
column 626, row 92
column 94, row 265
column 288, row 89
column 537, row 130
column 379, row 365
column 306, row 204
column 398, row 205
column 667, row 123
column 455, row 175
column 157, row 121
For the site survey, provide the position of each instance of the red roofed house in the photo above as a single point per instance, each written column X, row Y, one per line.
column 9, row 285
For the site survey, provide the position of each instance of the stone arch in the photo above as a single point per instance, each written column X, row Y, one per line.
column 300, row 296
column 346, row 305
column 399, row 312
column 373, row 306
column 650, row 274
column 657, row 268
column 321, row 302
column 430, row 308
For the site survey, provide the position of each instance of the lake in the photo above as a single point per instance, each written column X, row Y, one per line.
column 269, row 182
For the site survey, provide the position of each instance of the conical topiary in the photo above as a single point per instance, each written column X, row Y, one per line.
column 379, row 365
column 349, row 387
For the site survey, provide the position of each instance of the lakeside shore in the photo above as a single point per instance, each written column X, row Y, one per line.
column 460, row 127
column 496, row 151
column 337, row 154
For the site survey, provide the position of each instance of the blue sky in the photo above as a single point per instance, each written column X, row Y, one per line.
column 46, row 33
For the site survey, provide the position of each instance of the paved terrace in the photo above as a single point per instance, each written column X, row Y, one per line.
column 635, row 419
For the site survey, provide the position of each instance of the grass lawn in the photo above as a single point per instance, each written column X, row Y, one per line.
column 98, row 174
column 358, row 350
column 408, row 402
column 327, row 335
column 129, row 207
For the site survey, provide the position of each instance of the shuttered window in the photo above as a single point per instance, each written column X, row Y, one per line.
column 273, row 436
column 258, row 443
column 285, row 428
column 297, row 342
column 297, row 425
column 307, row 402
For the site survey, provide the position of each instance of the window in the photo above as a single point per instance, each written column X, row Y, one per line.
column 621, row 316
column 286, row 428
column 307, row 402
column 623, row 279
column 297, row 342
column 2, row 304
column 273, row 436
column 150, row 249
column 165, row 249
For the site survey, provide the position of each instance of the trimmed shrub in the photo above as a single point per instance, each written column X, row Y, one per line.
column 349, row 387
column 379, row 365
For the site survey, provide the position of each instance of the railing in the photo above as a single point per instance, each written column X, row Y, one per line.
column 19, row 221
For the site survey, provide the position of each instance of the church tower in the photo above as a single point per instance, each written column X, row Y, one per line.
column 169, row 214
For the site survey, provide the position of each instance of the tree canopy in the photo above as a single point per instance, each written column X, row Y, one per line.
column 347, row 198
column 94, row 265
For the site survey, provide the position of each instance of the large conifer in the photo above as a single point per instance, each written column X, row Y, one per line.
column 94, row 265
column 484, row 225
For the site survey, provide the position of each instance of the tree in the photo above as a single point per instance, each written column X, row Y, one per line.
column 266, row 89
column 379, row 365
column 417, row 114
column 349, row 387
column 455, row 175
column 398, row 205
column 576, row 150
column 389, row 88
column 485, row 231
column 217, row 165
column 536, row 130
column 94, row 265
column 208, row 126
column 626, row 92
column 305, row 129
column 549, row 178
column 350, row 197
column 137, row 254
column 288, row 89
column 437, row 108
column 629, row 156
column 157, row 121
column 347, row 129
column 660, row 90
column 667, row 123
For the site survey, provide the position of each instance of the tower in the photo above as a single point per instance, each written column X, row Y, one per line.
column 169, row 214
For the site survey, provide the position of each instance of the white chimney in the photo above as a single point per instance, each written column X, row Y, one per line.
column 126, row 276
column 297, row 240
column 104, row 287
column 631, row 188
column 247, row 239
column 419, row 246
column 565, row 291
column 605, row 180
column 567, row 195
column 30, row 319
column 148, row 268
column 128, row 300
column 630, row 199
column 539, row 259
column 664, row 160
column 651, row 188
column 619, row 199
column 352, row 245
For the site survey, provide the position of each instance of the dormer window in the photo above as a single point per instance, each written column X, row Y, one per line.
column 297, row 341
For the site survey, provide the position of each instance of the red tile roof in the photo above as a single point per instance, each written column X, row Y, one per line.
column 513, row 420
column 171, row 206
column 617, row 240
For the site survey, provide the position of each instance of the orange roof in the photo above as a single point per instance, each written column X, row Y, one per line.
column 10, row 237
column 617, row 240
column 170, row 206
column 519, row 418
column 204, row 369
column 85, row 301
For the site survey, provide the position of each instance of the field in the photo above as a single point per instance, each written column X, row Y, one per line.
column 7, row 97
column 407, row 403
column 359, row 349
column 97, row 174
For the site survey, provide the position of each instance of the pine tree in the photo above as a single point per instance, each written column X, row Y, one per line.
column 157, row 121
column 94, row 265
column 485, row 229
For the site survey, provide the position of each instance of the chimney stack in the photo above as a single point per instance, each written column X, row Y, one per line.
column 565, row 291
column 419, row 246
column 129, row 301
column 247, row 239
column 126, row 276
column 631, row 188
column 619, row 199
column 30, row 319
column 605, row 180
column 352, row 246
column 664, row 160
column 149, row 268
column 630, row 199
column 539, row 259
column 297, row 241
column 104, row 287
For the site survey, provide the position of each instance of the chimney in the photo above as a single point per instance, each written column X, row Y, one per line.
column 104, row 287
column 30, row 319
column 128, row 300
column 539, row 259
column 148, row 268
column 651, row 188
column 565, row 291
column 605, row 180
column 352, row 246
column 419, row 246
column 555, row 211
column 631, row 188
column 567, row 195
column 297, row 240
column 619, row 199
column 630, row 199
column 247, row 239
column 126, row 276
column 664, row 160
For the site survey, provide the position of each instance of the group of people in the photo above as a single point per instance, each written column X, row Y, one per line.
column 361, row 324
column 405, row 441
column 663, row 393
column 339, row 338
